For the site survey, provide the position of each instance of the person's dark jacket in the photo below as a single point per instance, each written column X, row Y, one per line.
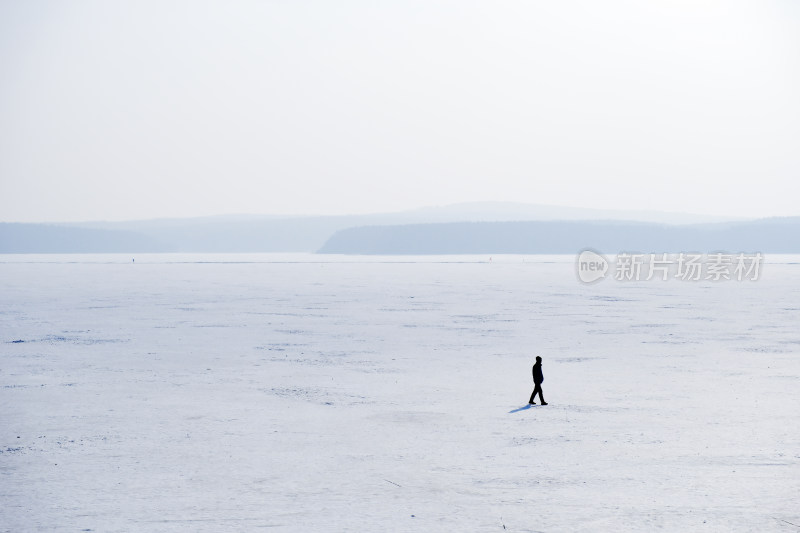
column 537, row 374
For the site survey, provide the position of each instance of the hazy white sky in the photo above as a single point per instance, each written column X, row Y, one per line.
column 140, row 109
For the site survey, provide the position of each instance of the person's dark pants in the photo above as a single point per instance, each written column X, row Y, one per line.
column 537, row 388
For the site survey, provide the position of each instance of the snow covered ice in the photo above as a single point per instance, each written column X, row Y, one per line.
column 325, row 393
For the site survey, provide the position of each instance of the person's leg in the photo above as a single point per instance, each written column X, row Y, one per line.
column 541, row 396
column 536, row 390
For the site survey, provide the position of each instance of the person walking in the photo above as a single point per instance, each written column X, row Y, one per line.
column 538, row 378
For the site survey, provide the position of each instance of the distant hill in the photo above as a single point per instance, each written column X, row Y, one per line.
column 778, row 235
column 49, row 238
column 516, row 211
column 256, row 233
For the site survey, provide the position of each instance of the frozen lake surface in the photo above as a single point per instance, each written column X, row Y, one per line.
column 318, row 393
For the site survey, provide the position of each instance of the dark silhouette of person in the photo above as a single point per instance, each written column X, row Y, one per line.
column 538, row 378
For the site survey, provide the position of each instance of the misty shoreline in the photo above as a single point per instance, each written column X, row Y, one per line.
column 365, row 236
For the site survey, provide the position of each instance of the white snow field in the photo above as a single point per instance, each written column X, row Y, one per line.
column 317, row 393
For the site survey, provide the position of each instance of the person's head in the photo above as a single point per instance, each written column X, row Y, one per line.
column 538, row 359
